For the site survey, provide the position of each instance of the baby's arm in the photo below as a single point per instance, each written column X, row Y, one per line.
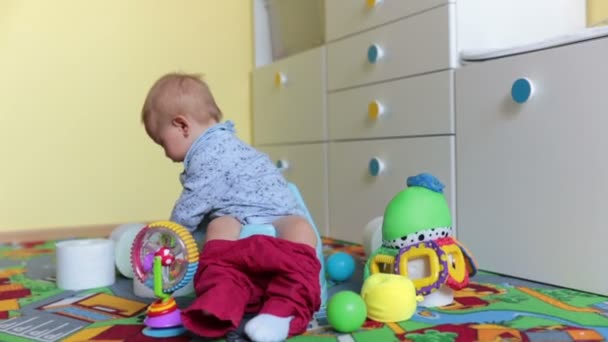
column 203, row 181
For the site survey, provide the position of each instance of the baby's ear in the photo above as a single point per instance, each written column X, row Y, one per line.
column 181, row 122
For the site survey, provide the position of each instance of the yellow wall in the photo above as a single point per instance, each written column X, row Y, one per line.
column 73, row 75
column 597, row 10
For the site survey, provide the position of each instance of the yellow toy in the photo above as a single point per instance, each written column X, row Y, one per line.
column 389, row 297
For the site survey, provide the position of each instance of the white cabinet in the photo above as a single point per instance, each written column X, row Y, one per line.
column 411, row 46
column 421, row 105
column 345, row 17
column 491, row 24
column 478, row 24
column 290, row 124
column 289, row 100
column 390, row 104
column 359, row 191
column 305, row 166
column 383, row 85
column 532, row 176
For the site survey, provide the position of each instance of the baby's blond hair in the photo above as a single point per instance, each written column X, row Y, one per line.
column 180, row 94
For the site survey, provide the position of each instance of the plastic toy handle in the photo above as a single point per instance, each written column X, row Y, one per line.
column 158, row 279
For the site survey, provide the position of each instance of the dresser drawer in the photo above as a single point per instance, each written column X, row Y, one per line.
column 532, row 170
column 289, row 100
column 345, row 17
column 306, row 166
column 414, row 45
column 419, row 105
column 356, row 196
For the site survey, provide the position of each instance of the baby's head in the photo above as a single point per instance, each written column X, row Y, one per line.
column 178, row 109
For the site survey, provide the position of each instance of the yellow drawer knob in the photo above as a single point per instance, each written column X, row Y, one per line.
column 372, row 3
column 375, row 110
column 280, row 79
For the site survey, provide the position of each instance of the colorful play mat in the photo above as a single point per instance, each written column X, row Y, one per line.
column 491, row 308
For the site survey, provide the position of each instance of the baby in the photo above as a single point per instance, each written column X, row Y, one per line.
column 226, row 184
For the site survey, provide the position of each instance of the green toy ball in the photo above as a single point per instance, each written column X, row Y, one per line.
column 346, row 311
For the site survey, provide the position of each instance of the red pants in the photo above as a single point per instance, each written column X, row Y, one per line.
column 256, row 274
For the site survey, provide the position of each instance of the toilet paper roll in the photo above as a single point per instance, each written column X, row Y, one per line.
column 85, row 264
column 123, row 237
column 372, row 235
column 143, row 291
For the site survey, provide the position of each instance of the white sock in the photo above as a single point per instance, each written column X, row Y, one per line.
column 268, row 328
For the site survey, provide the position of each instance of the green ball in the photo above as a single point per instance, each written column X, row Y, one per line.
column 346, row 311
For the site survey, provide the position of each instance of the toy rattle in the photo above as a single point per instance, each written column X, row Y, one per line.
column 164, row 257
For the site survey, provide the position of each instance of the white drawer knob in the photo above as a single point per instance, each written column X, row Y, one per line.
column 374, row 53
column 372, row 3
column 280, row 79
column 375, row 109
column 375, row 166
column 282, row 164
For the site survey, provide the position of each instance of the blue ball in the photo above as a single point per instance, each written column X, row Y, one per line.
column 340, row 266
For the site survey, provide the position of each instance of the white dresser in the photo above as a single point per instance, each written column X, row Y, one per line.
column 351, row 120
column 532, row 174
column 290, row 124
column 390, row 104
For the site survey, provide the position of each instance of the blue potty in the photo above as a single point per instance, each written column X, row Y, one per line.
column 268, row 229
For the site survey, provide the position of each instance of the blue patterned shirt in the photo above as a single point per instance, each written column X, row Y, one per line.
column 223, row 176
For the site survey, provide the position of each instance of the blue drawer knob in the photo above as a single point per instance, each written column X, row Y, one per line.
column 522, row 90
column 374, row 53
column 282, row 164
column 375, row 166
